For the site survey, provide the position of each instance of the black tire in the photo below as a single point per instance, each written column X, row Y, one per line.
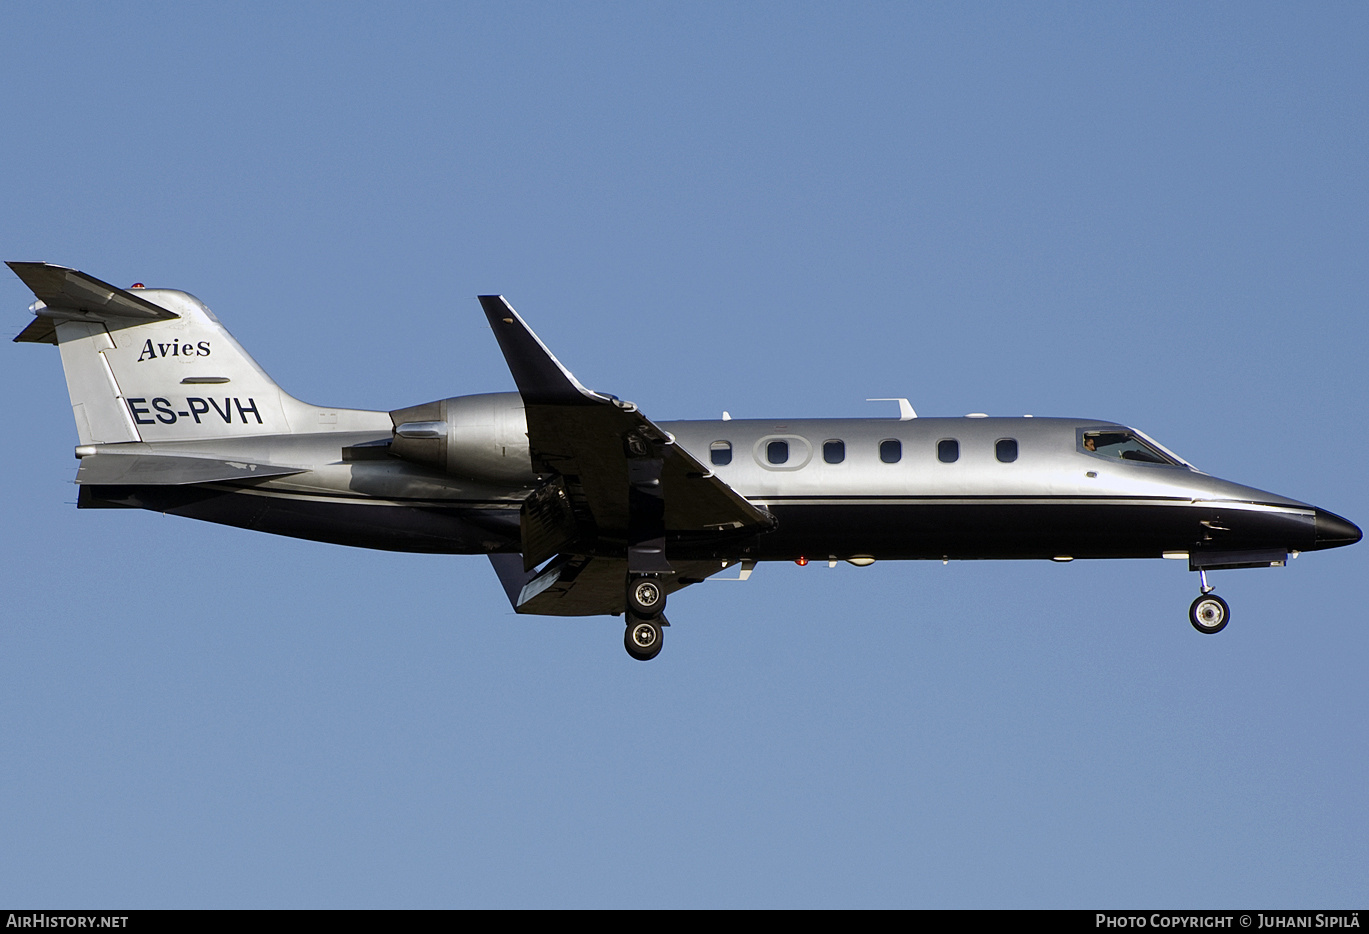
column 1209, row 614
column 643, row 639
column 645, row 596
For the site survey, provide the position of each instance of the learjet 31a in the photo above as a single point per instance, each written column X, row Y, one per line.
column 583, row 504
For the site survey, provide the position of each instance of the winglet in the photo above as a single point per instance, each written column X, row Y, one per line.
column 540, row 376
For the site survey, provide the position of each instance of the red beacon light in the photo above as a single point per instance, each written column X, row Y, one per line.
column 801, row 562
column 137, row 285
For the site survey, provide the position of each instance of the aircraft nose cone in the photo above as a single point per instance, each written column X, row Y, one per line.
column 1333, row 531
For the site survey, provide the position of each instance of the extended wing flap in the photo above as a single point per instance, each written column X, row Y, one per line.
column 170, row 470
column 547, row 522
column 580, row 585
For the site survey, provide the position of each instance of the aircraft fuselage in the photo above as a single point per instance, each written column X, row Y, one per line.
column 879, row 500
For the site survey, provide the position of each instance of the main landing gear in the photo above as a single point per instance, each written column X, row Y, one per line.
column 645, row 597
column 645, row 624
column 644, row 638
column 1209, row 614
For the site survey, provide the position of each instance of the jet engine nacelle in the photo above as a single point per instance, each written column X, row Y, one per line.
column 482, row 437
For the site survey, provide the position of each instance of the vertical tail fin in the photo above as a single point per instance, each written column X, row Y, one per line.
column 152, row 364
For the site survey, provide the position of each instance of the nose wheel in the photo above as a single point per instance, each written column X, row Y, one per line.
column 1209, row 614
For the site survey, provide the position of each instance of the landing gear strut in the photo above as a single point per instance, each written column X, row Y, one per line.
column 1209, row 614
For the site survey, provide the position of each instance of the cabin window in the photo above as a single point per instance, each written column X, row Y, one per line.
column 948, row 450
column 891, row 450
column 782, row 452
column 1123, row 445
column 834, row 452
column 720, row 453
column 1006, row 449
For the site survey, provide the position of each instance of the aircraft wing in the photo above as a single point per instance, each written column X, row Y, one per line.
column 616, row 477
column 74, row 296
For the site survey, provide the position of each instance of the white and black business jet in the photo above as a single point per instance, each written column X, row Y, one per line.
column 583, row 504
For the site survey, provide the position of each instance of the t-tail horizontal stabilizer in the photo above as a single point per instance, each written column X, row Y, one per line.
column 70, row 295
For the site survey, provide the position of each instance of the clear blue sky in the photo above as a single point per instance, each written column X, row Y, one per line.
column 1152, row 213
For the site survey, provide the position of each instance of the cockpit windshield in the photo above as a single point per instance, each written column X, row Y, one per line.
column 1124, row 445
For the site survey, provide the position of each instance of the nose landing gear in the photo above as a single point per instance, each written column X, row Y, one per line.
column 1209, row 614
